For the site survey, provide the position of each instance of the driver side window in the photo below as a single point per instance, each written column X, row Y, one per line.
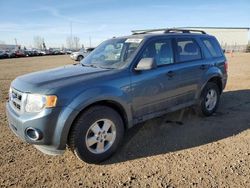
column 161, row 51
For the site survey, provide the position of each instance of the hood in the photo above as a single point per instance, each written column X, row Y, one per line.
column 74, row 53
column 77, row 53
column 43, row 81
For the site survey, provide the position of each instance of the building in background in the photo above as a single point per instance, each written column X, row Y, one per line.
column 230, row 38
column 9, row 47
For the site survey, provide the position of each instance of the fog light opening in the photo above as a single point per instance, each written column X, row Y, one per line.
column 33, row 134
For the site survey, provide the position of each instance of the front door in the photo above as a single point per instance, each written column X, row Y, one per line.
column 155, row 90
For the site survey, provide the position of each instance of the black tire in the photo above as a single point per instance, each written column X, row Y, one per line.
column 79, row 58
column 202, row 109
column 78, row 134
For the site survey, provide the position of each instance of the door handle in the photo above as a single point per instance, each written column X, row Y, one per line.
column 170, row 74
column 203, row 67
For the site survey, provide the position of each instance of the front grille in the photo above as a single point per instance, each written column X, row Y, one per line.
column 17, row 100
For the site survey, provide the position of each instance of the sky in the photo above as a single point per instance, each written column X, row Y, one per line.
column 99, row 20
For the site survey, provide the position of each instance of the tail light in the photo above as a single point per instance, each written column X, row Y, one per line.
column 226, row 66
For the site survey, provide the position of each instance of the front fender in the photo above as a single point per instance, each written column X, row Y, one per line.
column 85, row 99
column 93, row 95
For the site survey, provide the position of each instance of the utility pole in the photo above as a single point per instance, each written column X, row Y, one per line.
column 71, row 37
column 17, row 47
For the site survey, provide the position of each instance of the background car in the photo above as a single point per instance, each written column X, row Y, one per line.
column 29, row 53
column 20, row 53
column 3, row 54
column 11, row 53
column 82, row 53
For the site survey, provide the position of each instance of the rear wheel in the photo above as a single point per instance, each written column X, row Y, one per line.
column 209, row 100
column 96, row 134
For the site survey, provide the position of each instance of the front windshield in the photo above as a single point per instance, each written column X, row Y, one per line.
column 112, row 54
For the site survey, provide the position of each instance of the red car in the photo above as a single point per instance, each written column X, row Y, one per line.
column 20, row 53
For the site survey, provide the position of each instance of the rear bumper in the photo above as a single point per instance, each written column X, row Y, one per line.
column 224, row 81
column 46, row 122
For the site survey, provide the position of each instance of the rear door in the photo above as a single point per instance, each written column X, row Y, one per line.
column 190, row 68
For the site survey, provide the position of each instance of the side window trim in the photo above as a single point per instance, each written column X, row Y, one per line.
column 174, row 47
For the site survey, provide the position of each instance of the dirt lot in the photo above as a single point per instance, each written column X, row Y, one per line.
column 202, row 152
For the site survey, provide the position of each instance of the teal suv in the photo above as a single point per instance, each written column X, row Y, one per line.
column 125, row 81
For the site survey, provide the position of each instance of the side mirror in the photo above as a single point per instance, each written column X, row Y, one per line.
column 146, row 64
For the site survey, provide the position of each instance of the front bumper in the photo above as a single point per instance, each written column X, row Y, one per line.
column 45, row 122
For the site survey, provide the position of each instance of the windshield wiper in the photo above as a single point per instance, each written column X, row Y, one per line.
column 89, row 65
column 95, row 66
column 85, row 65
column 107, row 67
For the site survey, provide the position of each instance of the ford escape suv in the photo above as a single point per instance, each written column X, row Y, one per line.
column 123, row 82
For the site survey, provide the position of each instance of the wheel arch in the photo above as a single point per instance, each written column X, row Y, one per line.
column 216, row 78
column 201, row 107
column 80, row 55
column 110, row 103
column 218, row 81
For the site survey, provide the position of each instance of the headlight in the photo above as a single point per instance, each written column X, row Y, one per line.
column 36, row 102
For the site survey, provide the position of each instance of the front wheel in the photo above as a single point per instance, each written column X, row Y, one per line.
column 79, row 58
column 96, row 134
column 209, row 100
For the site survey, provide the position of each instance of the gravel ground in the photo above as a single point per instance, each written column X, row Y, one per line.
column 200, row 152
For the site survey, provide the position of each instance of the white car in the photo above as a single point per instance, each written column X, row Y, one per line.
column 78, row 56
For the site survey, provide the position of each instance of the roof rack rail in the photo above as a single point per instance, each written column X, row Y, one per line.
column 184, row 30
column 167, row 30
column 146, row 31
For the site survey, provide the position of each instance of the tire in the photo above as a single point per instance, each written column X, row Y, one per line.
column 208, row 104
column 79, row 58
column 86, row 131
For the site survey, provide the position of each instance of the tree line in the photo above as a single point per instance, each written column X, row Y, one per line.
column 72, row 42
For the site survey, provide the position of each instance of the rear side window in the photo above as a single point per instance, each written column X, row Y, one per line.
column 187, row 50
column 212, row 46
